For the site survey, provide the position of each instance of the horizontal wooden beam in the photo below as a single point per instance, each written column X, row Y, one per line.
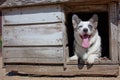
column 33, row 35
column 14, row 3
column 85, row 8
column 36, row 14
column 102, row 62
column 33, row 55
column 71, row 70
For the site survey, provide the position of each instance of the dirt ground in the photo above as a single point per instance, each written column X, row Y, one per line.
column 4, row 76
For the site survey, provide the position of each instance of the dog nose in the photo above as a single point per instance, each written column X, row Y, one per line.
column 85, row 30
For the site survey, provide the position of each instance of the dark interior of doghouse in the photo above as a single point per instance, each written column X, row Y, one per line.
column 103, row 29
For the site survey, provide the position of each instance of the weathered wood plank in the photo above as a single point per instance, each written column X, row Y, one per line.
column 102, row 62
column 0, row 24
column 119, row 31
column 92, row 2
column 113, row 32
column 65, row 42
column 72, row 70
column 33, row 54
column 85, row 8
column 16, row 3
column 34, row 60
column 119, row 41
column 38, row 14
column 33, row 35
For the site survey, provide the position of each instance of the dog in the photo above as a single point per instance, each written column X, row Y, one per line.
column 87, row 43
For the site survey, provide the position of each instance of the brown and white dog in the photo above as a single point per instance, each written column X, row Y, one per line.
column 87, row 41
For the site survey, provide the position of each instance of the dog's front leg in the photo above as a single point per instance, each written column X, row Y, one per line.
column 94, row 52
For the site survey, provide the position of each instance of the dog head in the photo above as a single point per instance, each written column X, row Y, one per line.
column 85, row 29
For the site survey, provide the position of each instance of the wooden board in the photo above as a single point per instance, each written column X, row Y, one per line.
column 33, row 55
column 113, row 32
column 0, row 23
column 119, row 31
column 71, row 70
column 102, row 62
column 16, row 3
column 33, row 35
column 85, row 8
column 119, row 41
column 28, row 15
column 87, row 2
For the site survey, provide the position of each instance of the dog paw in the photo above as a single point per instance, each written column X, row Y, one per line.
column 92, row 59
column 74, row 57
column 98, row 60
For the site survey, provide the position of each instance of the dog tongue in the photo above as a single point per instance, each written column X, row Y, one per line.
column 85, row 42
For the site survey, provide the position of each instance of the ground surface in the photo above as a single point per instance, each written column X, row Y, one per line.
column 4, row 76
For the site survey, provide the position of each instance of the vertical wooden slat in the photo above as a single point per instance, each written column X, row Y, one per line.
column 64, row 37
column 119, row 30
column 3, row 64
column 0, row 31
column 0, row 23
column 113, row 32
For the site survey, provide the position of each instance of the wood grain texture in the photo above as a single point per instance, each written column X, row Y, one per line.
column 33, row 54
column 102, row 62
column 113, row 32
column 85, row 8
column 92, row 2
column 119, row 31
column 16, row 3
column 72, row 70
column 33, row 35
column 28, row 15
column 65, row 42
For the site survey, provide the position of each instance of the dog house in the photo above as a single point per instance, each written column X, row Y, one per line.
column 38, row 36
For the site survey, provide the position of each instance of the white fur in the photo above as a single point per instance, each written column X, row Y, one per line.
column 92, row 53
column 85, row 24
column 92, row 58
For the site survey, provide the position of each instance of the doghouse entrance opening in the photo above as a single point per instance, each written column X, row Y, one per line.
column 103, row 28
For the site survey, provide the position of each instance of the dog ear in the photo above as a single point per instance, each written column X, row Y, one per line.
column 75, row 20
column 94, row 20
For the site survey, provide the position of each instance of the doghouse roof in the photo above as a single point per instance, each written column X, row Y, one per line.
column 18, row 3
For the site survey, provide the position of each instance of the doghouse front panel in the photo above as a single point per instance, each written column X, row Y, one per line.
column 33, row 54
column 33, row 35
column 39, row 14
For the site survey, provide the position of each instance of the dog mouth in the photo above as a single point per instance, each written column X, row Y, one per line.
column 85, row 40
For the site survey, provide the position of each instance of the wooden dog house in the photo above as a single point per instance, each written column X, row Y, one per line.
column 37, row 36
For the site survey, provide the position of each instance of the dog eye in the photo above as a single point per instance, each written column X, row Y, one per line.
column 90, row 26
column 79, row 26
